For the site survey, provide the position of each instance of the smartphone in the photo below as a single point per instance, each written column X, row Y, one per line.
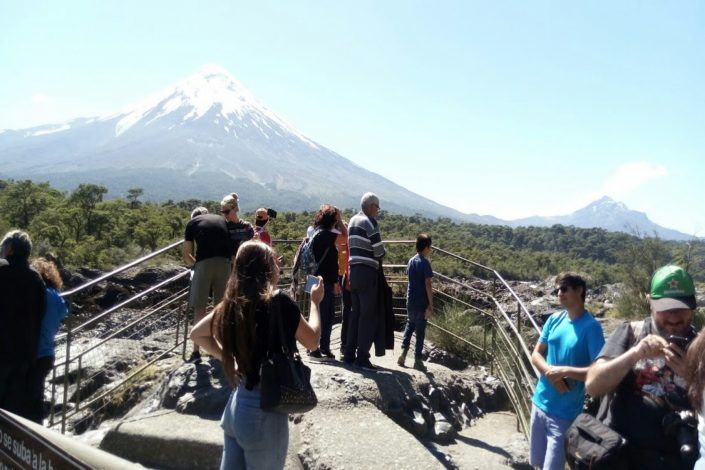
column 310, row 282
column 679, row 341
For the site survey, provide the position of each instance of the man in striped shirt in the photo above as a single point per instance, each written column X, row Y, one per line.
column 366, row 252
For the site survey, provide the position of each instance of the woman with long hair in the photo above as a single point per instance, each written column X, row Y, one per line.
column 237, row 333
column 55, row 311
column 695, row 370
column 328, row 225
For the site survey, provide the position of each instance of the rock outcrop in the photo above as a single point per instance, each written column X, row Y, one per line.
column 393, row 418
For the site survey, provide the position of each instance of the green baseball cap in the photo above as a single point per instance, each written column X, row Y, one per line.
column 672, row 288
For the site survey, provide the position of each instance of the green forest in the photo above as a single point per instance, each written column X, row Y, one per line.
column 81, row 229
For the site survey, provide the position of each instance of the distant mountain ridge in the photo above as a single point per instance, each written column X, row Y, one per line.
column 208, row 135
column 608, row 214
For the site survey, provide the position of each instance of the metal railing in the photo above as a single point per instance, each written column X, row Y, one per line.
column 505, row 350
column 504, row 346
column 79, row 387
column 78, row 362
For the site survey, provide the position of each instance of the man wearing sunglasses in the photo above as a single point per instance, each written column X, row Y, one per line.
column 214, row 250
column 569, row 342
column 641, row 371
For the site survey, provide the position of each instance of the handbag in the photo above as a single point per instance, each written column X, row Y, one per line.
column 285, row 381
column 591, row 444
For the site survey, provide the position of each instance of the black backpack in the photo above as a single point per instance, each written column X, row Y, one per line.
column 590, row 444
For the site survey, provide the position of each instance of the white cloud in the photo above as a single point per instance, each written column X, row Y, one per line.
column 630, row 176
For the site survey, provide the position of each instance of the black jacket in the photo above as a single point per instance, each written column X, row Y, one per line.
column 22, row 305
column 384, row 334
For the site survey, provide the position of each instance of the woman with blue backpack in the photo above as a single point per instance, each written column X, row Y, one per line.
column 328, row 225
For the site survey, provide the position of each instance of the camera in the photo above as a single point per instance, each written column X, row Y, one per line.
column 681, row 341
column 272, row 213
column 683, row 425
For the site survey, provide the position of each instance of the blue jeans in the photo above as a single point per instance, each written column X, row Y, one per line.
column 254, row 439
column 547, row 440
column 327, row 310
column 415, row 321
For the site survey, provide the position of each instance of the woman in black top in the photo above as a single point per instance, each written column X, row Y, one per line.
column 325, row 253
column 237, row 333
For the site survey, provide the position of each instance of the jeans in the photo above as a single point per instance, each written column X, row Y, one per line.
column 547, row 440
column 415, row 321
column 364, row 282
column 327, row 310
column 254, row 439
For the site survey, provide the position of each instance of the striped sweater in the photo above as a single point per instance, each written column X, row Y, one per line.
column 364, row 241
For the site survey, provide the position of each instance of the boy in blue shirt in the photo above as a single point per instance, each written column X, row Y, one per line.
column 570, row 341
column 419, row 300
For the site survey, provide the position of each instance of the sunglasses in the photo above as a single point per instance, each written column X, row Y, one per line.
column 563, row 289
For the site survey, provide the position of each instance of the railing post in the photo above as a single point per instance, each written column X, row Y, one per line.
column 187, row 318
column 519, row 325
column 484, row 338
column 78, row 382
column 178, row 326
column 64, row 408
column 53, row 396
column 494, row 355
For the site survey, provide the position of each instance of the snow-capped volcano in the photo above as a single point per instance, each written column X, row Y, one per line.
column 211, row 89
column 201, row 138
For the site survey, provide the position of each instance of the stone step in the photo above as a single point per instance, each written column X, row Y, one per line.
column 167, row 439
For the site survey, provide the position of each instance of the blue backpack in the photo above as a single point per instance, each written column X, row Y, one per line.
column 305, row 258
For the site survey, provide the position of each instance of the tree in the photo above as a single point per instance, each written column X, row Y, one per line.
column 133, row 195
column 23, row 200
column 86, row 197
column 637, row 263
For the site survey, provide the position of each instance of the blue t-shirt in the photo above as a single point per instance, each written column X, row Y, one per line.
column 56, row 311
column 419, row 269
column 569, row 343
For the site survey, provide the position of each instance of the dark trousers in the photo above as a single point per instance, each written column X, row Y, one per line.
column 327, row 308
column 364, row 281
column 14, row 386
column 415, row 321
column 37, row 379
column 347, row 306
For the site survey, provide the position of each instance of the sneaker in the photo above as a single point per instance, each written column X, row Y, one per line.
column 402, row 358
column 195, row 357
column 419, row 365
column 365, row 364
column 316, row 356
column 328, row 355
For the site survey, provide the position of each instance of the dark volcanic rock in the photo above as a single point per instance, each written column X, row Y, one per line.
column 443, row 431
column 199, row 389
column 444, row 358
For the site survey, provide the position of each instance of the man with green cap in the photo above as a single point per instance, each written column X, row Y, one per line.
column 641, row 373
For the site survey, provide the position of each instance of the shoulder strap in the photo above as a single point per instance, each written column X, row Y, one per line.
column 637, row 328
column 325, row 253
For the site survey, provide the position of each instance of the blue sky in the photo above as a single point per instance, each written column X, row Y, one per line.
column 504, row 108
